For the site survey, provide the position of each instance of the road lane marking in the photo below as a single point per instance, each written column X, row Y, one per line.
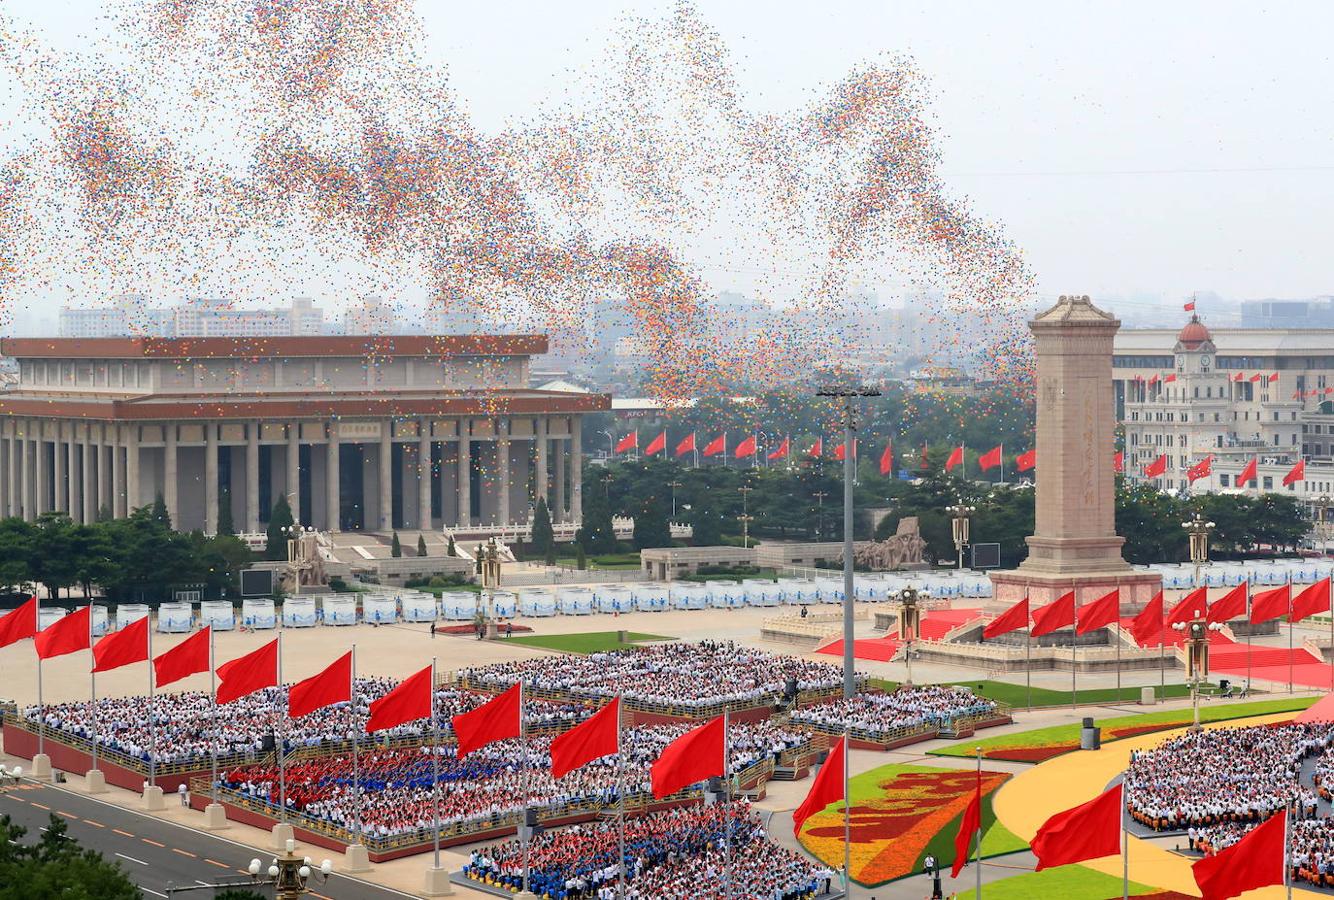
column 61, row 812
column 40, row 805
column 94, row 824
column 132, row 859
column 184, row 852
column 218, row 864
column 154, row 843
column 122, row 833
column 149, row 891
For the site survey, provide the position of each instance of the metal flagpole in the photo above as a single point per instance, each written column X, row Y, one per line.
column 1074, row 669
column 727, row 819
column 92, row 685
column 847, row 817
column 1028, row 663
column 281, row 747
column 1162, row 657
column 356, row 726
column 620, row 796
column 213, row 692
column 1125, row 847
column 1250, row 632
column 978, row 893
column 527, row 788
column 1287, row 823
column 152, row 725
column 435, row 766
column 1289, row 636
column 41, row 710
column 1116, row 640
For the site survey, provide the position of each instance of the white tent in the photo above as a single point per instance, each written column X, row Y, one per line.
column 830, row 589
column 258, row 613
column 299, row 612
column 128, row 613
column 614, row 598
column 537, row 602
column 419, row 606
column 651, row 596
column 504, row 605
column 101, row 623
column 761, row 592
column 575, row 601
column 340, row 609
column 797, row 592
column 458, row 606
column 220, row 615
column 175, row 618
column 382, row 610
column 48, row 615
column 689, row 595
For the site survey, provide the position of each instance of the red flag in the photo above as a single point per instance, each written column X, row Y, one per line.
column 1256, row 377
column 1170, row 378
column 499, row 718
column 1231, row 605
column 19, row 623
column 67, row 635
column 657, row 445
column 1295, row 474
column 1273, row 378
column 333, row 685
column 1312, row 600
column 1118, row 462
column 1190, row 306
column 1156, row 468
column 1268, row 605
column 781, row 452
column 1100, row 613
column 990, row 459
column 971, row 824
column 887, row 459
column 244, row 675
column 841, row 450
column 1012, row 619
column 1025, row 461
column 595, row 738
column 189, row 657
column 1088, row 831
column 408, row 702
column 1239, row 377
column 1148, row 625
column 1192, row 606
column 1057, row 614
column 1153, row 379
column 694, row 756
column 1255, row 861
column 817, row 449
column 121, row 648
column 716, row 446
column 746, row 447
column 1200, row 470
column 687, row 445
column 956, row 458
column 827, row 787
column 629, row 442
column 1249, row 473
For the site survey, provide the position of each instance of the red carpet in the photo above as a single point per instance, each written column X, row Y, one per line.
column 935, row 625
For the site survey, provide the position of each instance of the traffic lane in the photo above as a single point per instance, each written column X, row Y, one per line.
column 156, row 852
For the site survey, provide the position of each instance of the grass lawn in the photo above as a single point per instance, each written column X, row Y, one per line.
column 1016, row 695
column 587, row 642
column 621, row 562
column 437, row 591
column 1066, row 882
column 1068, row 735
column 997, row 840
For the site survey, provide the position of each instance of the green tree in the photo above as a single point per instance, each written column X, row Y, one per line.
column 159, row 513
column 544, row 537
column 395, row 548
column 706, row 525
column 550, row 556
column 597, row 534
column 651, row 526
column 16, row 549
column 56, row 867
column 225, row 525
column 580, row 557
column 421, row 545
column 105, row 514
column 53, row 563
column 451, row 550
column 275, row 538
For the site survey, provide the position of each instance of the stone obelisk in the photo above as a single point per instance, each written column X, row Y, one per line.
column 1075, row 544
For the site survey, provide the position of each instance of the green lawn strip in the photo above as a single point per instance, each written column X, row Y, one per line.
column 1016, row 695
column 1066, row 882
column 1168, row 718
column 997, row 840
column 586, row 642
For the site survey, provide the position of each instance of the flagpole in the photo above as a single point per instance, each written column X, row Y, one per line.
column 152, row 725
column 213, row 692
column 727, row 819
column 435, row 766
column 527, row 788
column 847, row 816
column 1074, row 669
column 1289, row 639
column 281, row 748
column 1028, row 663
column 41, row 709
column 356, row 778
column 620, row 796
column 92, row 684
column 1125, row 846
column 978, row 892
column 1250, row 633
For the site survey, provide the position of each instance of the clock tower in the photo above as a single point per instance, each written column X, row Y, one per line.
column 1195, row 349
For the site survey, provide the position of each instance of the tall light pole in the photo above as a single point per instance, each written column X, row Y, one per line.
column 819, row 513
column 1197, row 657
column 847, row 395
column 1323, row 503
column 961, row 514
column 611, row 443
column 745, row 518
column 1199, row 541
column 910, row 617
column 674, row 485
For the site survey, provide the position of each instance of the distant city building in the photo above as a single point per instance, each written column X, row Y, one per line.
column 1314, row 313
column 371, row 315
column 131, row 316
column 945, row 380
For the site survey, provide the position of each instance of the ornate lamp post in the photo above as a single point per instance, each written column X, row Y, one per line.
column 1199, row 541
column 1323, row 503
column 745, row 518
column 960, row 514
column 1197, row 658
column 490, row 582
column 674, row 485
column 910, row 619
column 289, row 875
column 819, row 513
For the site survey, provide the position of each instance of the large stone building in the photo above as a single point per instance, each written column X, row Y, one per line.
column 360, row 433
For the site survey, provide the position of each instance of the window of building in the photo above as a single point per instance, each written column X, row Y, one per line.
column 1223, row 479
column 1268, row 483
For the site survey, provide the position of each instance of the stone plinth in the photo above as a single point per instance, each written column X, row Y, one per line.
column 153, row 799
column 355, row 859
column 437, row 883
column 95, row 782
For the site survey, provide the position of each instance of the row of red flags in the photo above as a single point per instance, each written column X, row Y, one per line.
column 1239, row 377
column 1204, row 468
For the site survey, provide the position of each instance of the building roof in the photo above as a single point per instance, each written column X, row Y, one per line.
column 1194, row 334
column 1244, row 341
column 378, row 346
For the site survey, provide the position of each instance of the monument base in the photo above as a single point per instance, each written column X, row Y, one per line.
column 437, row 883
column 281, row 834
column 1137, row 587
column 355, row 859
column 215, row 817
column 94, row 782
column 153, row 800
column 41, row 767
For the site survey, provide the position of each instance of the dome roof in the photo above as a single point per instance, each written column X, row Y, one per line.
column 1194, row 334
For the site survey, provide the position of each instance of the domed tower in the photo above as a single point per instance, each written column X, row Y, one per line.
column 1195, row 349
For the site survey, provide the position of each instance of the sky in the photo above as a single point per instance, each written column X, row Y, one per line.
column 1141, row 151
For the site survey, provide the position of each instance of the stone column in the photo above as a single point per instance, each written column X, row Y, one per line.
column 133, row 485
column 465, row 472
column 43, row 487
column 386, row 477
column 75, row 479
column 10, row 472
column 576, row 470
column 503, row 474
column 170, row 475
column 559, row 461
column 29, row 494
column 424, row 475
column 293, row 486
column 332, row 494
column 62, row 485
column 210, row 478
column 252, row 477
column 540, row 476
column 89, row 480
column 117, row 474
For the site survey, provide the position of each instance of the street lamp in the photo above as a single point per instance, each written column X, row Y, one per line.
column 1197, row 658
column 819, row 513
column 289, row 875
column 960, row 513
column 1199, row 541
column 611, row 443
column 674, row 485
column 1322, row 503
column 910, row 618
column 745, row 518
column 847, row 396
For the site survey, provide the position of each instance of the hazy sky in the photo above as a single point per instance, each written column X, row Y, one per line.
column 1128, row 148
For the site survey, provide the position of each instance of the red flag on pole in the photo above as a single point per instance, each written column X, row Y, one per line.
column 1231, row 605
column 716, row 446
column 1088, row 831
column 67, row 635
column 1268, row 605
column 1190, row 305
column 1249, row 473
column 841, row 450
column 1118, row 462
column 1025, row 461
column 244, row 675
column 746, row 447
column 990, row 459
column 1295, row 474
column 1148, row 625
column 827, row 787
column 1256, row 377
column 333, row 685
column 657, row 445
column 687, row 445
column 189, row 657
column 1239, row 377
column 498, row 719
column 1273, row 377
column 1100, row 613
column 1255, row 861
column 1170, row 378
column 1312, row 600
column 595, row 738
column 408, row 702
column 694, row 756
column 19, row 623
column 817, row 449
column 122, row 648
column 1057, row 614
column 1156, row 468
column 1192, row 606
column 782, row 451
column 629, row 442
column 971, row 824
column 1200, row 470
column 956, row 458
column 887, row 459
column 1012, row 619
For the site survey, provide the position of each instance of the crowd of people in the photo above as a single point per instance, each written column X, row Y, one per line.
column 176, row 728
column 396, row 788
column 881, row 716
column 683, row 675
column 677, row 854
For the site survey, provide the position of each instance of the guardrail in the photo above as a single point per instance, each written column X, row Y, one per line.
column 133, row 763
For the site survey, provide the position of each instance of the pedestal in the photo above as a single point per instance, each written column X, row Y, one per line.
column 215, row 817
column 94, row 782
column 1137, row 587
column 41, row 767
column 437, row 883
column 153, row 801
column 526, row 895
column 282, row 833
column 355, row 859
column 492, row 631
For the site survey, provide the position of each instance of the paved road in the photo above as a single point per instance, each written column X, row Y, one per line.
column 157, row 853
